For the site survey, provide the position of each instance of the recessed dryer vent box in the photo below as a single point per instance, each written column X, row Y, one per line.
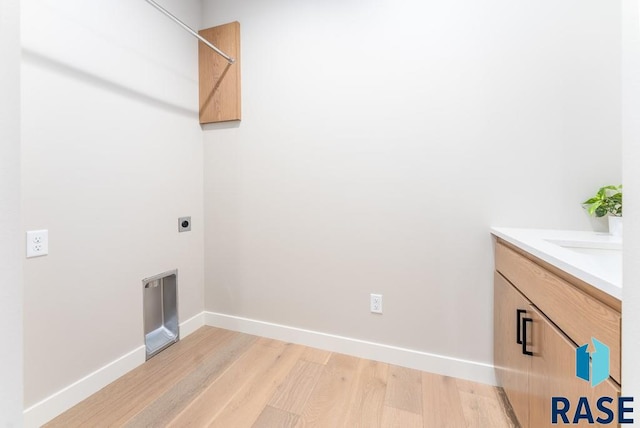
column 160, row 312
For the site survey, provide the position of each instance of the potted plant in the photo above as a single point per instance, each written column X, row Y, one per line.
column 607, row 201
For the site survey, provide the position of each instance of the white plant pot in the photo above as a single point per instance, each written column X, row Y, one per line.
column 615, row 225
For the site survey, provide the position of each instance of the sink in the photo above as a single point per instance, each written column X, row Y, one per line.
column 605, row 253
column 589, row 247
column 604, row 244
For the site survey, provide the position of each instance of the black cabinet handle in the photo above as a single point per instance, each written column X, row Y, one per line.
column 518, row 326
column 524, row 335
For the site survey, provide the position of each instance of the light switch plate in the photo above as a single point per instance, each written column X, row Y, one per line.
column 37, row 243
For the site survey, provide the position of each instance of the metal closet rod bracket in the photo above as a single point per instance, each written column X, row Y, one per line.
column 190, row 30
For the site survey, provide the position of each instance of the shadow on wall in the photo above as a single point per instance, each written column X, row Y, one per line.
column 107, row 85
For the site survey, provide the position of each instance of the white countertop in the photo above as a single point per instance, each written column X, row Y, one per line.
column 594, row 257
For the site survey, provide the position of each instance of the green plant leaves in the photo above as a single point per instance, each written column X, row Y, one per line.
column 608, row 200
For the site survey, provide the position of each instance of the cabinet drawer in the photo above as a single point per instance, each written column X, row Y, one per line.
column 577, row 314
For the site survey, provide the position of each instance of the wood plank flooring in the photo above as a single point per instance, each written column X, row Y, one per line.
column 219, row 378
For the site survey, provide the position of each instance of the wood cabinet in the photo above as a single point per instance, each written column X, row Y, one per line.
column 552, row 373
column 539, row 320
column 220, row 89
column 512, row 366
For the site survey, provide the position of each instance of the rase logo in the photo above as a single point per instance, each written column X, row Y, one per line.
column 592, row 367
column 599, row 363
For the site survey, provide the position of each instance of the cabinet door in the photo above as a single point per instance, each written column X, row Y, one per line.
column 512, row 366
column 553, row 374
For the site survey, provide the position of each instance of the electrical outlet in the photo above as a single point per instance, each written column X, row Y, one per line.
column 376, row 303
column 184, row 224
column 37, row 243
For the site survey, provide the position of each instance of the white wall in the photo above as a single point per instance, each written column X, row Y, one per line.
column 112, row 156
column 631, row 177
column 381, row 140
column 10, row 261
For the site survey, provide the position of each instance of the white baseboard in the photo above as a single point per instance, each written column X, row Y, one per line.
column 47, row 409
column 54, row 405
column 433, row 363
column 192, row 324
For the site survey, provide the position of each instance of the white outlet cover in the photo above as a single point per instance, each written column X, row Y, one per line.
column 376, row 303
column 37, row 243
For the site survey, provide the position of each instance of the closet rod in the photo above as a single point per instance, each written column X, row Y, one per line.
column 193, row 33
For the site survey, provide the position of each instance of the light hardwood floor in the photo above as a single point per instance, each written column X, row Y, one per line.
column 220, row 378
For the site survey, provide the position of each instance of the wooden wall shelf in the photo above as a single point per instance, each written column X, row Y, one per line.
column 220, row 99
